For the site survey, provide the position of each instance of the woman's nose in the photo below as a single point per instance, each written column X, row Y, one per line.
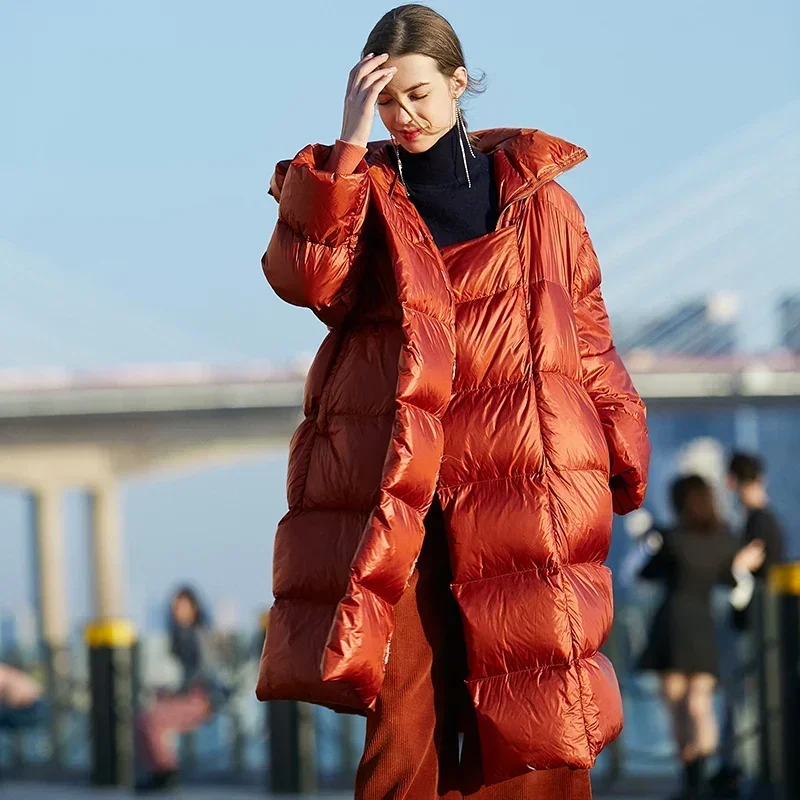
column 402, row 117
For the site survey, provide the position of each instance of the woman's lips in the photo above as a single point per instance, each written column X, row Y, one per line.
column 410, row 136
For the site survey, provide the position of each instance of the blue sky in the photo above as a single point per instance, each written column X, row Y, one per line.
column 137, row 141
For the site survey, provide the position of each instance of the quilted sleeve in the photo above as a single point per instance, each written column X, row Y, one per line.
column 312, row 259
column 608, row 383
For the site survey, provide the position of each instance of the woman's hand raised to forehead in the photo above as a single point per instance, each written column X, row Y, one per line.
column 367, row 80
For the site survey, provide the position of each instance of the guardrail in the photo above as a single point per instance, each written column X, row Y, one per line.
column 291, row 747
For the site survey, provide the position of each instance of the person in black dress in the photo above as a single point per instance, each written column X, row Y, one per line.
column 695, row 555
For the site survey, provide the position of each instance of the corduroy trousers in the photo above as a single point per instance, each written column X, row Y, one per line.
column 422, row 739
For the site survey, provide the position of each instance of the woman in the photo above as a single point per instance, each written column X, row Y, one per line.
column 467, row 423
column 192, row 704
column 22, row 704
column 693, row 557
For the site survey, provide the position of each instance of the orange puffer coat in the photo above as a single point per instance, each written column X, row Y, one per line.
column 495, row 384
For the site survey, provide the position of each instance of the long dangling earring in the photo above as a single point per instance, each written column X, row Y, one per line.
column 461, row 137
column 399, row 162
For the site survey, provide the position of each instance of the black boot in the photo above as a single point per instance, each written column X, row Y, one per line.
column 158, row 782
column 694, row 780
column 727, row 783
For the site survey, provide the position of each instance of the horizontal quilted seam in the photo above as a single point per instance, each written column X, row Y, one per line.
column 542, row 668
column 522, row 476
column 282, row 223
column 493, row 386
column 332, row 414
column 300, row 599
column 344, row 243
column 527, row 379
column 306, row 601
column 463, row 300
column 315, row 509
column 447, row 323
column 327, row 184
column 301, row 511
column 550, row 571
column 400, row 500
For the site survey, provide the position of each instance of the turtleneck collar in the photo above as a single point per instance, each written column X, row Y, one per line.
column 442, row 164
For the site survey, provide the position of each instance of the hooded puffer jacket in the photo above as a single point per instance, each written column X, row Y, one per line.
column 494, row 384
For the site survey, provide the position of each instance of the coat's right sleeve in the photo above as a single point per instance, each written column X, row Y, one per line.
column 621, row 410
column 311, row 258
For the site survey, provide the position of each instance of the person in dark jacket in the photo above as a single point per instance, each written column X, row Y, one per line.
column 747, row 479
column 192, row 704
column 695, row 555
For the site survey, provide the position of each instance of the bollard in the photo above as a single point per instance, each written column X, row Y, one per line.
column 291, row 747
column 113, row 676
column 56, row 681
column 291, row 743
column 766, row 649
column 784, row 581
column 349, row 753
column 616, row 757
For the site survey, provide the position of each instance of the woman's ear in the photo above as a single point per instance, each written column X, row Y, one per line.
column 459, row 82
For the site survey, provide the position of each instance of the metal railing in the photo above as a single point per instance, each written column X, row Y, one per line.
column 231, row 748
column 291, row 746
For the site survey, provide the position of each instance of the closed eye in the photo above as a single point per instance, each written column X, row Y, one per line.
column 412, row 97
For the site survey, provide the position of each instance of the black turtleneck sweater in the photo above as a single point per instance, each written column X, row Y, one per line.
column 437, row 186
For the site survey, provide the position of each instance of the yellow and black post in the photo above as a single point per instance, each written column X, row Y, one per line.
column 291, row 746
column 113, row 674
column 784, row 584
column 290, row 732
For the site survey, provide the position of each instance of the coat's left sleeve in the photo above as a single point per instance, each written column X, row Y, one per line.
column 608, row 383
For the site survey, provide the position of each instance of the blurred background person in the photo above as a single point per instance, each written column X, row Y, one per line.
column 184, row 710
column 693, row 557
column 747, row 480
column 22, row 703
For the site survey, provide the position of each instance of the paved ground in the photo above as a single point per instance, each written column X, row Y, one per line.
column 20, row 791
column 27, row 791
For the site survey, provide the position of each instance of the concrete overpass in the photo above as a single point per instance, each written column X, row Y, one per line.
column 62, row 430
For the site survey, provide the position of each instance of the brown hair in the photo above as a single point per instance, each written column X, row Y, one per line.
column 694, row 504
column 415, row 28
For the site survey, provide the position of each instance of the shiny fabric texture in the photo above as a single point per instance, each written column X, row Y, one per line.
column 422, row 742
column 485, row 373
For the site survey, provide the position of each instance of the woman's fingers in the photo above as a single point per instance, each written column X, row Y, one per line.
column 365, row 67
column 351, row 77
column 376, row 81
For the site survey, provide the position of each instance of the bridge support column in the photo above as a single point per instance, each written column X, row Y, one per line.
column 106, row 533
column 51, row 594
column 51, row 604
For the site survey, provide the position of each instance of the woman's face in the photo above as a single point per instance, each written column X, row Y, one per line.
column 418, row 104
column 183, row 611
